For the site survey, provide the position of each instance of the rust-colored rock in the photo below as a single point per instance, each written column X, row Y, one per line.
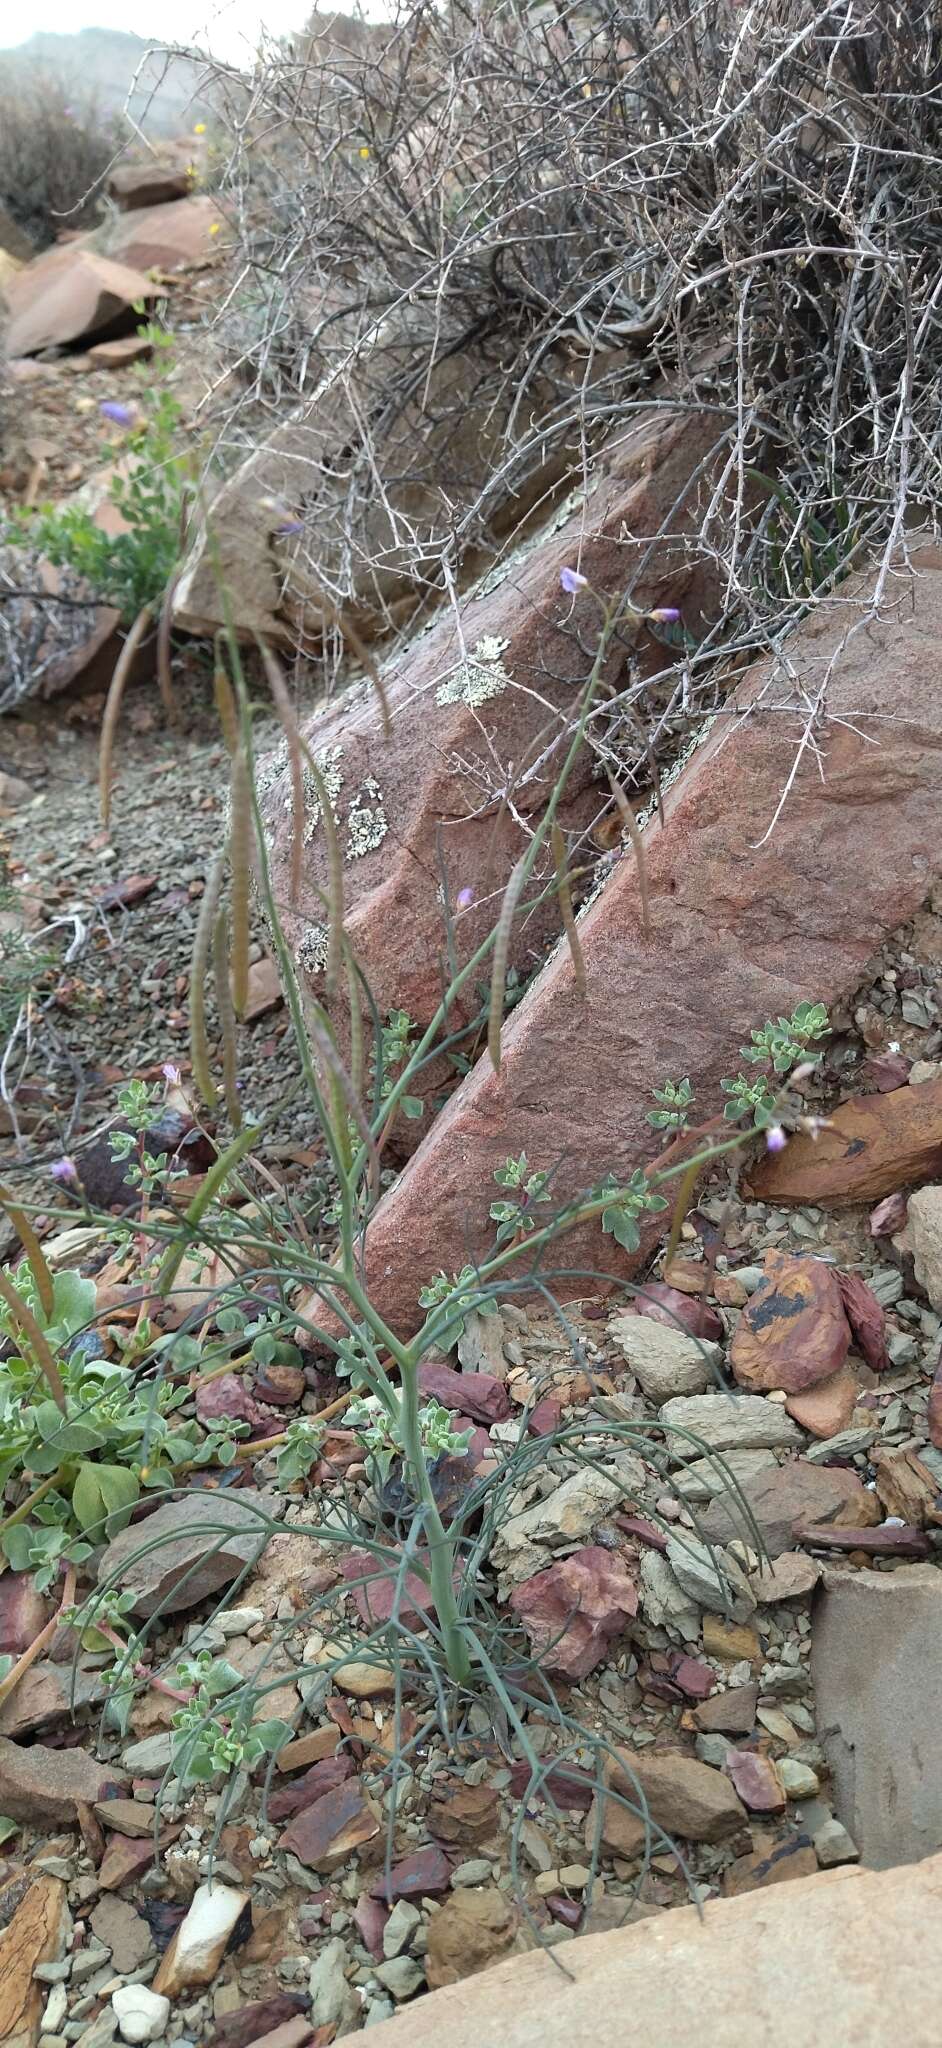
column 163, row 175
column 34, row 1920
column 782, row 916
column 826, row 1409
column 406, row 805
column 934, row 1419
column 472, row 1931
column 38, row 1784
column 68, row 294
column 756, row 1780
column 325, row 1834
column 572, row 1611
column 906, row 1486
column 684, row 1798
column 872, row 1146
column 866, row 1319
column 793, row 1332
column 23, row 1612
column 464, row 1814
column 166, row 237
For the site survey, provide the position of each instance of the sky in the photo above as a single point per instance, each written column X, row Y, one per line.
column 228, row 27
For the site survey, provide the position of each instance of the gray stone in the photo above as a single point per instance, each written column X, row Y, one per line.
column 663, row 1599
column 116, row 1924
column 665, row 1362
column 202, row 1543
column 778, row 1500
column 403, row 1976
column 706, row 1478
column 923, row 1234
column 401, row 1926
column 728, row 1422
column 476, row 1870
column 149, row 1758
column 527, row 1541
column 710, row 1578
column 877, row 1668
column 833, row 1845
column 332, row 1998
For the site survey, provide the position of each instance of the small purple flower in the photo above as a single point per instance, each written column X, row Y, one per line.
column 290, row 526
column 464, row 899
column 775, row 1138
column 572, row 581
column 665, row 615
column 122, row 415
column 171, row 1074
column 64, row 1170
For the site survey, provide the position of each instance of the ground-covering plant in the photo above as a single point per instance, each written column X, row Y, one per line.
column 130, row 569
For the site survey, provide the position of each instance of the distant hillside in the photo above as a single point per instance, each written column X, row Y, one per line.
column 98, row 64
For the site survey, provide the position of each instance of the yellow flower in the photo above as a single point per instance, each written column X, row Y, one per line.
column 200, row 128
column 214, row 226
column 364, row 151
column 191, row 170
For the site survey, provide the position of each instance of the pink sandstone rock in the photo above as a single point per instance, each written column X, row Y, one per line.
column 68, row 294
column 572, row 1610
column 746, row 923
column 419, row 805
column 167, row 237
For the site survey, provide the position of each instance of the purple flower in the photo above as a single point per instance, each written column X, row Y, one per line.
column 64, row 1170
column 290, row 526
column 122, row 415
column 464, row 899
column 775, row 1138
column 572, row 581
column 665, row 615
column 171, row 1073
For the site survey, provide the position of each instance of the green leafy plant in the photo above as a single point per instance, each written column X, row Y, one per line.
column 214, row 1732
column 130, row 569
column 531, row 1191
column 674, row 1100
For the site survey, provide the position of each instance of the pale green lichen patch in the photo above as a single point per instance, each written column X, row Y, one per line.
column 479, row 676
column 366, row 820
column 312, row 950
column 331, row 773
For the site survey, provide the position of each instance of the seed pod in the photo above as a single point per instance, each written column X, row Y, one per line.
column 240, row 837
column 501, row 950
column 109, row 723
column 199, row 967
column 226, row 1015
column 567, row 914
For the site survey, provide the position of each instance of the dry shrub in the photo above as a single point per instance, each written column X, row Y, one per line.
column 53, row 153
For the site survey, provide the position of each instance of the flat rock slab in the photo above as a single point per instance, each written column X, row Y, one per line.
column 871, row 1146
column 187, row 1550
column 877, row 1664
column 831, row 1962
column 415, row 806
column 746, row 922
column 69, row 293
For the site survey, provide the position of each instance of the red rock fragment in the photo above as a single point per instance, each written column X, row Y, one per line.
column 544, row 1418
column 379, row 1585
column 756, row 1780
column 793, row 1332
column 874, row 1145
column 886, row 1541
column 228, row 1397
column 886, row 1071
column 826, row 1409
column 427, row 1872
column 572, row 1790
column 889, row 1216
column 680, row 1311
column 322, row 1777
column 324, row 1835
column 696, row 1680
column 935, row 1407
column 572, row 1610
column 23, row 1612
column 369, row 1918
column 866, row 1320
column 476, row 1394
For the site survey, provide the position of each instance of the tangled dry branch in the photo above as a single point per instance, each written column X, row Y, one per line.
column 483, row 238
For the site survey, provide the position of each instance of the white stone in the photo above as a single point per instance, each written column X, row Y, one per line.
column 201, row 1939
column 141, row 2014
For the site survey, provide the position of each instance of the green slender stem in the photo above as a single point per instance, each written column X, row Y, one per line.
column 23, row 1512
column 193, row 1216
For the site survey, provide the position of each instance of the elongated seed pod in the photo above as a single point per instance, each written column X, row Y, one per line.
column 109, row 723
column 240, row 840
column 289, row 724
column 226, row 1015
column 164, row 672
column 501, row 950
column 199, row 967
column 35, row 1257
column 225, row 702
column 335, row 931
column 566, row 911
column 630, row 823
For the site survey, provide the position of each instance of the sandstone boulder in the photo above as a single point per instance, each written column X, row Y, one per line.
column 782, row 916
column 69, row 294
column 832, row 1961
column 163, row 175
column 870, row 1147
column 166, row 237
column 415, row 808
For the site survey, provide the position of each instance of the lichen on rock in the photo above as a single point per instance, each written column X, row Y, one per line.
column 479, row 676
